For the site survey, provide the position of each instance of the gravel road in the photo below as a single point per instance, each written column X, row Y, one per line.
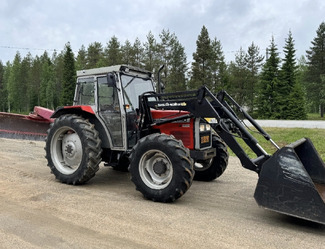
column 36, row 211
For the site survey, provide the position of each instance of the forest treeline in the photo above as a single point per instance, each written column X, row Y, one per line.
column 267, row 85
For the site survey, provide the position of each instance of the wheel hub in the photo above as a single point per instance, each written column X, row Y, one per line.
column 159, row 167
column 70, row 149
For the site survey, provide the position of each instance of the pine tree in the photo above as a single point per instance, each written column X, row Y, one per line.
column 316, row 69
column 44, row 77
column 176, row 80
column 6, row 77
column 35, row 82
column 58, row 67
column 94, row 55
column 151, row 60
column 127, row 53
column 254, row 62
column 172, row 55
column 217, row 67
column 268, row 83
column 3, row 93
column 200, row 72
column 69, row 76
column 24, row 83
column 238, row 80
column 47, row 87
column 13, row 85
column 137, row 53
column 113, row 54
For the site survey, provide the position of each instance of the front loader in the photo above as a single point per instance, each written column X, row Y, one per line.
column 167, row 140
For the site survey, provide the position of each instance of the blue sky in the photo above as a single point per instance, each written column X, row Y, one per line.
column 34, row 25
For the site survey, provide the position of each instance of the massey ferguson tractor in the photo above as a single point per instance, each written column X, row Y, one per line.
column 166, row 140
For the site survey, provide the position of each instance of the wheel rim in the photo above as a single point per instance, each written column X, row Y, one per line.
column 155, row 169
column 66, row 150
column 203, row 165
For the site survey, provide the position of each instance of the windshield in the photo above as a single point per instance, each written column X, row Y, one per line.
column 133, row 87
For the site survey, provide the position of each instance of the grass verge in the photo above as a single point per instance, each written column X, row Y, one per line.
column 284, row 136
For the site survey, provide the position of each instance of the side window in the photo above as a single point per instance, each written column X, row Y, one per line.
column 85, row 94
column 107, row 95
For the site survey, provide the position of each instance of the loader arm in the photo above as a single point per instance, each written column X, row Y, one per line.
column 204, row 104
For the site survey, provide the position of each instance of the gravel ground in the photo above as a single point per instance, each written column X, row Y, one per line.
column 36, row 211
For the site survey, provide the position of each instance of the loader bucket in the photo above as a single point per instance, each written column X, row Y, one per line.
column 292, row 182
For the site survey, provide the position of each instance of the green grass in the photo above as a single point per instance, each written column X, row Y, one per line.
column 314, row 116
column 284, row 136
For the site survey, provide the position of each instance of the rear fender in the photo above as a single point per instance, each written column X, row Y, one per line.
column 78, row 109
column 86, row 112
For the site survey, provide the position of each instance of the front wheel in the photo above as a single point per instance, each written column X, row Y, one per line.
column 211, row 169
column 73, row 149
column 161, row 168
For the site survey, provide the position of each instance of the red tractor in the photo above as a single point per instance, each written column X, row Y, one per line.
column 167, row 140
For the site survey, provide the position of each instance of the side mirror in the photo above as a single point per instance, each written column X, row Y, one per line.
column 111, row 80
column 161, row 87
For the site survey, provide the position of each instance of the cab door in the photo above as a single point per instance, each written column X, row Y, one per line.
column 109, row 110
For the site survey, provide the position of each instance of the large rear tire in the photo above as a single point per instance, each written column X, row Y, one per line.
column 73, row 149
column 161, row 168
column 211, row 169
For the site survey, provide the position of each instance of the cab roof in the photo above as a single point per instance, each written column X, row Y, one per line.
column 110, row 69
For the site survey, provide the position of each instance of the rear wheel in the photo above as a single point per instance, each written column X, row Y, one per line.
column 73, row 149
column 161, row 168
column 211, row 169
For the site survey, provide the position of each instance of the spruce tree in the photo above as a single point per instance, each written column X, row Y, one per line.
column 316, row 69
column 69, row 76
column 267, row 101
column 291, row 101
column 81, row 60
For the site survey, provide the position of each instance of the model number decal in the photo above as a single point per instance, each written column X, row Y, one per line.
column 171, row 104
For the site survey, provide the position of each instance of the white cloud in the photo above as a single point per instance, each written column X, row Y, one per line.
column 51, row 24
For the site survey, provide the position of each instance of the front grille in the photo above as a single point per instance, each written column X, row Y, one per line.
column 184, row 136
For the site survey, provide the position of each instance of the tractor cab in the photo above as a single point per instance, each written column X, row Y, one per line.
column 113, row 94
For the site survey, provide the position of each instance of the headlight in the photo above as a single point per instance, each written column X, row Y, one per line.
column 205, row 127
